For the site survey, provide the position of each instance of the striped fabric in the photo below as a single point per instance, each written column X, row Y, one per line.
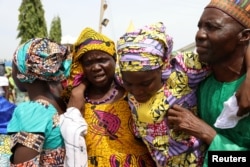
column 238, row 9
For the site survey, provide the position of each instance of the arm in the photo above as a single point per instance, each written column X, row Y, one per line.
column 243, row 93
column 24, row 154
column 184, row 120
column 73, row 127
column 77, row 97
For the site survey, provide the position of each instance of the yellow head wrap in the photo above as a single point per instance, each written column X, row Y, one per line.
column 88, row 40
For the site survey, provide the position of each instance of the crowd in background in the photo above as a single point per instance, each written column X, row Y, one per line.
column 14, row 94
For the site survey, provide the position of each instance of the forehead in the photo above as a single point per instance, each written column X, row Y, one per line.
column 95, row 54
column 139, row 76
column 216, row 15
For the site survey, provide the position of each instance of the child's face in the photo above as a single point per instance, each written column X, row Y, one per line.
column 142, row 84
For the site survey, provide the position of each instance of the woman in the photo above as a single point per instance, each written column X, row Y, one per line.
column 155, row 83
column 39, row 66
column 110, row 140
column 6, row 111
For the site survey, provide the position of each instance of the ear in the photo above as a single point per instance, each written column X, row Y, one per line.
column 245, row 35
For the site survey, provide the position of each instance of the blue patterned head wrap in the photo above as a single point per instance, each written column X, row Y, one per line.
column 42, row 58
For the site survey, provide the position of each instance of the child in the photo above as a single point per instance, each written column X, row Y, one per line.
column 39, row 66
column 154, row 85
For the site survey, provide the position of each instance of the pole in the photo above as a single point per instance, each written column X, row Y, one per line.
column 103, row 8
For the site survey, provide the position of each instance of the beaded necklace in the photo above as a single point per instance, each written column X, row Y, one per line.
column 110, row 97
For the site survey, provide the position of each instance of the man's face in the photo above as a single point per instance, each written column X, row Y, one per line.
column 217, row 36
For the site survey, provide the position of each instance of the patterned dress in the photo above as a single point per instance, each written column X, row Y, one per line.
column 110, row 140
column 167, row 147
column 41, row 117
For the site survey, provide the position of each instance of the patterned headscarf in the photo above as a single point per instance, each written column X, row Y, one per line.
column 41, row 58
column 145, row 49
column 237, row 9
column 88, row 40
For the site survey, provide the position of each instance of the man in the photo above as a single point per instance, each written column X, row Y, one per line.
column 222, row 41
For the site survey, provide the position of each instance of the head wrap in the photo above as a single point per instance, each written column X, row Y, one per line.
column 41, row 58
column 88, row 40
column 237, row 9
column 144, row 49
column 147, row 48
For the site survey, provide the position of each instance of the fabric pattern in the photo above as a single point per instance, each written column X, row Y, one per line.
column 238, row 9
column 110, row 140
column 5, row 152
column 135, row 49
column 47, row 158
column 22, row 126
column 147, row 48
column 43, row 59
column 167, row 147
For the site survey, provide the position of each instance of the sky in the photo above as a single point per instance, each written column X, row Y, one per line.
column 180, row 18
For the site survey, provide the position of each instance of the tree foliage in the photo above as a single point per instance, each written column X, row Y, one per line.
column 55, row 32
column 31, row 20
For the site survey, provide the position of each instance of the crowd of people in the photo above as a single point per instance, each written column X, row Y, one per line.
column 133, row 103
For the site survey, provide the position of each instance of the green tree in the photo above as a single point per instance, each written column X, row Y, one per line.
column 31, row 20
column 55, row 32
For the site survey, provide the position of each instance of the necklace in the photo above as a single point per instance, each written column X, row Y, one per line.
column 101, row 101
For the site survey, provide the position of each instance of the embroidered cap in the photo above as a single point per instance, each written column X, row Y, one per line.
column 237, row 9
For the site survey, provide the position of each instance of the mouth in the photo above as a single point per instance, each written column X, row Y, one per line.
column 100, row 77
column 201, row 49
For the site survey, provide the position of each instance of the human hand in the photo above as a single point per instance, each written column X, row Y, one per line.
column 243, row 93
column 243, row 97
column 77, row 97
column 184, row 120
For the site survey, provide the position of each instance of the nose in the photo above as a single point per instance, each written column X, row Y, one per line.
column 136, row 90
column 95, row 67
column 200, row 35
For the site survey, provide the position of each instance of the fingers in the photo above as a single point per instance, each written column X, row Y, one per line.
column 77, row 97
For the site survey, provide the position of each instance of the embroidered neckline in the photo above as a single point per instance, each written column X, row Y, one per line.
column 43, row 102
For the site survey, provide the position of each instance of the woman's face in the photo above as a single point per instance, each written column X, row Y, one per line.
column 99, row 68
column 142, row 84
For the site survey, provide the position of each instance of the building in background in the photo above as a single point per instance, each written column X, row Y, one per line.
column 189, row 47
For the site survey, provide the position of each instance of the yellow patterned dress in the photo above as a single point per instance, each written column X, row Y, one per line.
column 110, row 140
